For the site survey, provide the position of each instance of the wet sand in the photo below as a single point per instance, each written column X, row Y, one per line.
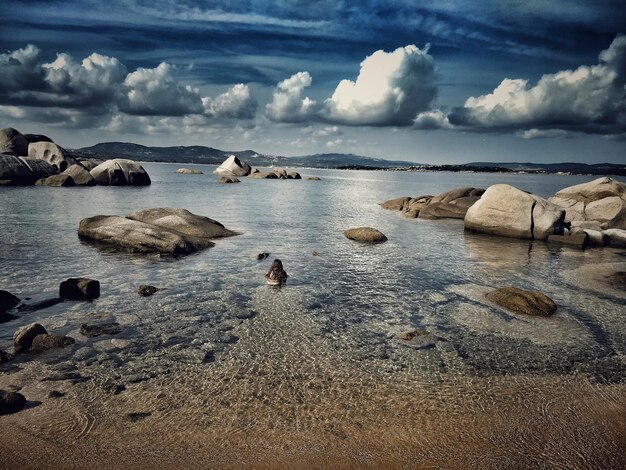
column 285, row 396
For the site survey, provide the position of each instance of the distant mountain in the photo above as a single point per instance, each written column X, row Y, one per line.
column 577, row 168
column 209, row 155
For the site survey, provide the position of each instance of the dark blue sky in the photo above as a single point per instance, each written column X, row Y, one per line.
column 431, row 81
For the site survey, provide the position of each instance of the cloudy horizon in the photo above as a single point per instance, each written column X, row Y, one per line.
column 440, row 83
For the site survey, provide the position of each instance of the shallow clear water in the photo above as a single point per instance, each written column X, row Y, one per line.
column 351, row 298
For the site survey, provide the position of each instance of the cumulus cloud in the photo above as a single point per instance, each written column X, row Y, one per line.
column 589, row 99
column 20, row 69
column 287, row 103
column 155, row 92
column 236, row 103
column 435, row 119
column 392, row 87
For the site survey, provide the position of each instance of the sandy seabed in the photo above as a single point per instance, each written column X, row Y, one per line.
column 281, row 397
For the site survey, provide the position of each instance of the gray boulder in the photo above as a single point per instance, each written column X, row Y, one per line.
column 79, row 288
column 281, row 173
column 259, row 175
column 396, row 204
column 120, row 172
column 233, row 166
column 452, row 204
column 12, row 142
column 31, row 138
column 602, row 200
column 506, row 211
column 80, row 175
column 61, row 180
column 365, row 235
column 228, row 180
column 51, row 153
column 87, row 163
column 39, row 168
column 167, row 231
column 294, row 175
column 14, row 172
column 24, row 336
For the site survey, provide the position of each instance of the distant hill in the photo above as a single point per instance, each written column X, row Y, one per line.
column 576, row 168
column 210, row 155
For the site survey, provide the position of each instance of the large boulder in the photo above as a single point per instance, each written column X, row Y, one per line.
column 365, row 235
column 506, row 211
column 452, row 204
column 79, row 288
column 39, row 168
column 24, row 336
column 65, row 181
column 11, row 402
column 233, row 166
column 12, row 142
column 259, row 175
column 602, row 200
column 31, row 138
column 80, row 175
column 13, row 171
column 615, row 237
column 120, row 172
column 167, row 231
column 182, row 221
column 51, row 153
column 526, row 302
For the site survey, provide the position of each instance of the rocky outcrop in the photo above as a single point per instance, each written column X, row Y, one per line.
column 164, row 230
column 233, row 166
column 79, row 288
column 449, row 205
column 51, row 153
column 506, row 211
column 59, row 181
column 259, row 175
column 365, row 235
column 578, row 240
column 228, row 180
column 599, row 204
column 80, row 175
column 189, row 171
column 12, row 142
column 16, row 171
column 24, row 336
column 294, row 175
column 46, row 341
column 280, row 173
column 11, row 402
column 120, row 172
column 522, row 301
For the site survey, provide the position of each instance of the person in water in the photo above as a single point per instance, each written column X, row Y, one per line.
column 276, row 275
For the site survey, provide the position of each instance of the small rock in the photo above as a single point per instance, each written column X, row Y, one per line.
column 313, row 178
column 146, row 290
column 7, row 301
column 189, row 171
column 365, row 235
column 314, row 253
column 418, row 339
column 575, row 239
column 262, row 256
column 5, row 356
column 617, row 280
column 11, row 402
column 134, row 417
column 92, row 331
column 80, row 288
column 45, row 342
column 615, row 237
column 228, row 180
column 23, row 337
column 521, row 301
column 55, row 394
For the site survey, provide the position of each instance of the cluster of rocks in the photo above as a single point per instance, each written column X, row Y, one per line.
column 161, row 230
column 451, row 204
column 27, row 159
column 589, row 214
column 233, row 167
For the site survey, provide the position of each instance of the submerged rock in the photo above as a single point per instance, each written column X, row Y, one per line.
column 233, row 166
column 228, row 180
column 522, row 301
column 418, row 339
column 7, row 301
column 92, row 331
column 24, row 336
column 120, row 172
column 365, row 235
column 578, row 240
column 313, row 178
column 262, row 256
column 44, row 342
column 146, row 291
column 617, row 280
column 189, row 171
column 79, row 288
column 11, row 402
column 506, row 211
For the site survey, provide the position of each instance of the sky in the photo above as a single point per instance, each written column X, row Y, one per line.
column 433, row 81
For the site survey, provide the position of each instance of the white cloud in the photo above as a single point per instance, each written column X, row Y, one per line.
column 542, row 133
column 236, row 103
column 287, row 103
column 588, row 99
column 435, row 119
column 20, row 69
column 155, row 92
column 328, row 131
column 392, row 87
